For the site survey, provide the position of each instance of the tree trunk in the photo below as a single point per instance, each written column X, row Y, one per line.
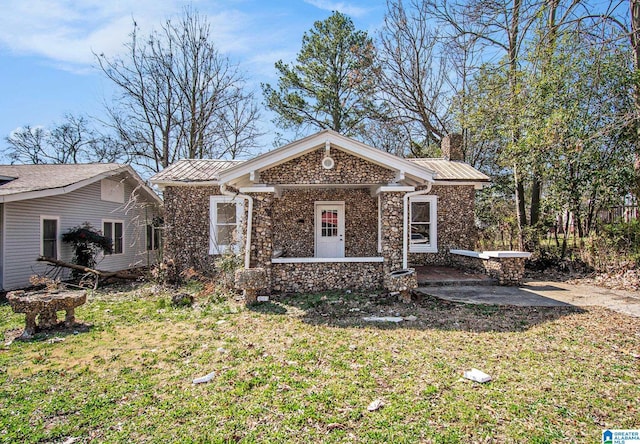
column 99, row 273
column 634, row 6
column 536, row 192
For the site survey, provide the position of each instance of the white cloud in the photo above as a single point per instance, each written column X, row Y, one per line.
column 345, row 8
column 66, row 32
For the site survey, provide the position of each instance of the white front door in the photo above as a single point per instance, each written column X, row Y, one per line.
column 329, row 229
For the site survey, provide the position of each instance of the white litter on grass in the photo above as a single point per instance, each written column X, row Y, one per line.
column 383, row 319
column 375, row 405
column 205, row 378
column 263, row 299
column 221, row 321
column 476, row 375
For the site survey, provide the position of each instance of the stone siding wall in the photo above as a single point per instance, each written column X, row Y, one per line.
column 262, row 232
column 299, row 278
column 468, row 263
column 186, row 233
column 507, row 270
column 307, row 169
column 456, row 224
column 392, row 214
column 294, row 213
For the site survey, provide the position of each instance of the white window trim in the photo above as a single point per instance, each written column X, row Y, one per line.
column 114, row 221
column 214, row 248
column 154, row 230
column 432, row 246
column 58, row 239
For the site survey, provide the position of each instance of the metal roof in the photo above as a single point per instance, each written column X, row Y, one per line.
column 209, row 170
column 452, row 170
column 27, row 178
column 194, row 170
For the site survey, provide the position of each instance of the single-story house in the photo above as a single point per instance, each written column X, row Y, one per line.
column 38, row 203
column 323, row 212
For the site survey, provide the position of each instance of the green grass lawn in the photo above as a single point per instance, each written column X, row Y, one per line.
column 305, row 368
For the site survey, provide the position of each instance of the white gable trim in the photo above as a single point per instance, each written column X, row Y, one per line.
column 321, row 139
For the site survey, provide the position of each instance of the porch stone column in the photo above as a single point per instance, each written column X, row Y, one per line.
column 392, row 213
column 262, row 234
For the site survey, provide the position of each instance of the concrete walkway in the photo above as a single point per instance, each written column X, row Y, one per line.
column 540, row 294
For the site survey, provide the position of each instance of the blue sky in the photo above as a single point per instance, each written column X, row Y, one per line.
column 47, row 67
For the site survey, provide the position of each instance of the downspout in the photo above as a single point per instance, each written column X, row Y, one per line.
column 405, row 221
column 249, row 199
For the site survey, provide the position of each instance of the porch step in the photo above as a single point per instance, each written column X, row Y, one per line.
column 436, row 276
column 457, row 282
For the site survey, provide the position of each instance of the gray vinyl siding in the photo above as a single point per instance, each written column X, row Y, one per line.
column 23, row 231
column 1, row 244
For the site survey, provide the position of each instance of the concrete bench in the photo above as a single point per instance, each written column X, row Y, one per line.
column 505, row 266
column 44, row 306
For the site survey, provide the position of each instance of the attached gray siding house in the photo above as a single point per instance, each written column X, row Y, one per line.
column 38, row 203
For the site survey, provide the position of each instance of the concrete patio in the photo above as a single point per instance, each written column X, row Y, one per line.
column 472, row 288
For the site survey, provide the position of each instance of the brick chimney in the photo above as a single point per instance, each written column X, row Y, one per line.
column 451, row 146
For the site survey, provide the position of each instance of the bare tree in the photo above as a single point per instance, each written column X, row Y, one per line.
column 28, row 145
column 176, row 93
column 414, row 72
column 72, row 141
column 238, row 129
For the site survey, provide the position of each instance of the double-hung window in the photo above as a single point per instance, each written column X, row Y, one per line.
column 154, row 237
column 114, row 230
column 49, row 236
column 423, row 219
column 225, row 230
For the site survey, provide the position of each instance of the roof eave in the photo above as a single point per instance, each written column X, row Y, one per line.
column 47, row 192
column 162, row 183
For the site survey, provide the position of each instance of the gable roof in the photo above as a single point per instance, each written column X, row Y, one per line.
column 333, row 140
column 215, row 171
column 33, row 181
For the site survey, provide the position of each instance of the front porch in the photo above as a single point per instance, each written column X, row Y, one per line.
column 324, row 275
column 437, row 276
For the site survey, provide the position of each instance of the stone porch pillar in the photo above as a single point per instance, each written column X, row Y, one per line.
column 262, row 234
column 392, row 213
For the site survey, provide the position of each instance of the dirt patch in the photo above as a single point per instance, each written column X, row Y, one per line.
column 424, row 312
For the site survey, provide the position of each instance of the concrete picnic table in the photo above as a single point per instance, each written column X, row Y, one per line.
column 44, row 305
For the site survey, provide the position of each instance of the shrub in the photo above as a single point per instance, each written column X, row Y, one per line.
column 87, row 242
column 227, row 265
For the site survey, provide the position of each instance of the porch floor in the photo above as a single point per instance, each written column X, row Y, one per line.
column 431, row 275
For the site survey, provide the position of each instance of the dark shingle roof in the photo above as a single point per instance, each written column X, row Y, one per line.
column 27, row 178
